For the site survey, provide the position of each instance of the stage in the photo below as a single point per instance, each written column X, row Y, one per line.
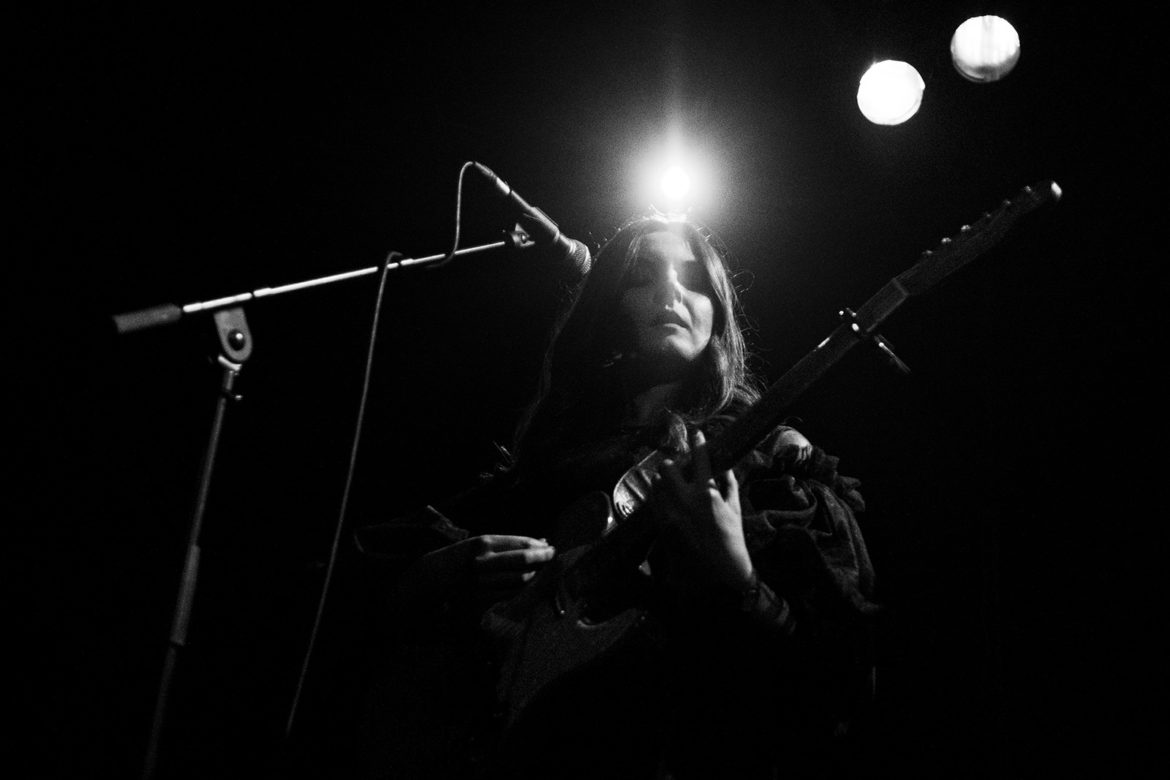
column 169, row 156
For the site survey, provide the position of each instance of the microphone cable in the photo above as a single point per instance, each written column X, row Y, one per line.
column 458, row 217
column 353, row 453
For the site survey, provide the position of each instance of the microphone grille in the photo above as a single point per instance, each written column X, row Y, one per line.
column 581, row 258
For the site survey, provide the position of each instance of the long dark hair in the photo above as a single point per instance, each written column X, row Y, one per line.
column 582, row 396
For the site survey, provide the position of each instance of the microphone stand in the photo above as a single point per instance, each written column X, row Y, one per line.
column 235, row 345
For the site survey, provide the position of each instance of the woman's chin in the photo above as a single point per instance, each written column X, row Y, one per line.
column 667, row 359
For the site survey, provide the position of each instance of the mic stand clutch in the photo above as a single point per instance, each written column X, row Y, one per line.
column 235, row 346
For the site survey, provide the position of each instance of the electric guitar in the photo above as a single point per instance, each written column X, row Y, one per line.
column 582, row 606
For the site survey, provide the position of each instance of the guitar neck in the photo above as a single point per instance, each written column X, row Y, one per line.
column 932, row 267
column 747, row 430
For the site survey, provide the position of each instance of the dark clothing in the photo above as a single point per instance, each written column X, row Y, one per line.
column 711, row 684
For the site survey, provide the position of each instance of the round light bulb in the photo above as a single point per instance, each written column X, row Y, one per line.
column 985, row 48
column 890, row 92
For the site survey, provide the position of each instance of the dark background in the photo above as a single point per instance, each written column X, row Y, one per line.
column 171, row 156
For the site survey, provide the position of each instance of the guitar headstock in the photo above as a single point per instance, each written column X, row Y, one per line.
column 972, row 240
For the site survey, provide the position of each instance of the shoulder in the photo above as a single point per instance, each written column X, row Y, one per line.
column 784, row 448
column 787, row 444
column 789, row 453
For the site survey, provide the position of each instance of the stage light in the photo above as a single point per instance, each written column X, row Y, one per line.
column 675, row 179
column 674, row 199
column 675, row 185
column 985, row 48
column 890, row 92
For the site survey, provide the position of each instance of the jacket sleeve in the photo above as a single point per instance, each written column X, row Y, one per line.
column 476, row 510
column 389, row 550
column 800, row 520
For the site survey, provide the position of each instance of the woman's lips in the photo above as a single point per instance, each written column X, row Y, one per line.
column 669, row 318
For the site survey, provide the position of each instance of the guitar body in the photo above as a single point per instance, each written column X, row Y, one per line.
column 558, row 638
column 584, row 605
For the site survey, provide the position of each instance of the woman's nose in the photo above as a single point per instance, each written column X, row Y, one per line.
column 668, row 290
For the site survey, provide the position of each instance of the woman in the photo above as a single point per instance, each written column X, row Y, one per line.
column 757, row 580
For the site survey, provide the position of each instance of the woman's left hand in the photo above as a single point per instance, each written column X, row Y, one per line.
column 705, row 512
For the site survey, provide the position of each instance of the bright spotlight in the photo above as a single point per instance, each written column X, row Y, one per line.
column 890, row 92
column 985, row 48
column 675, row 184
column 675, row 176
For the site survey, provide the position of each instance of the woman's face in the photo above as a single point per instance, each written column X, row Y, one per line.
column 667, row 302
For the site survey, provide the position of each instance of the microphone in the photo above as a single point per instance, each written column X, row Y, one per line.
column 540, row 228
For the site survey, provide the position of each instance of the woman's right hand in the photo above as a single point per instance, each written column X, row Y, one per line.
column 482, row 570
column 502, row 565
